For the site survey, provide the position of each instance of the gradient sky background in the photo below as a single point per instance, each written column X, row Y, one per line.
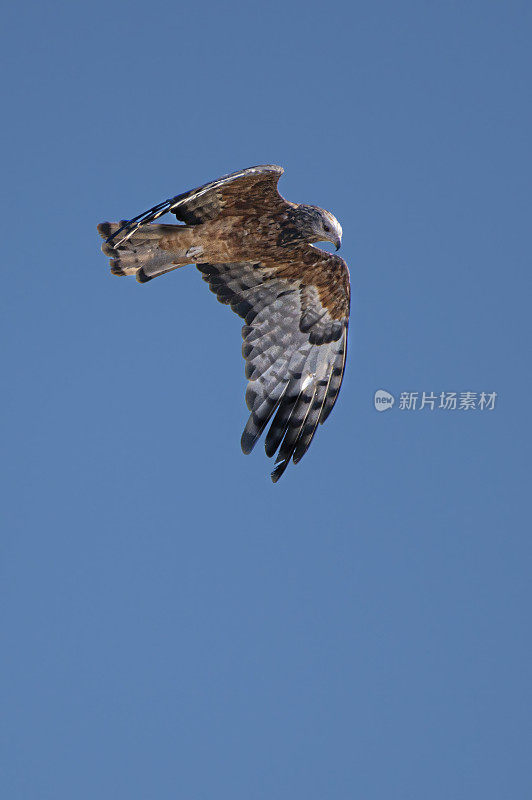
column 173, row 625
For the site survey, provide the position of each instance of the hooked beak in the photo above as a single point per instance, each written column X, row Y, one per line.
column 337, row 243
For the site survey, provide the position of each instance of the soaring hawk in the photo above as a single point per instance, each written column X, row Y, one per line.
column 255, row 250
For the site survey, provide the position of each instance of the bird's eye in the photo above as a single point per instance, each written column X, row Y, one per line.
column 326, row 229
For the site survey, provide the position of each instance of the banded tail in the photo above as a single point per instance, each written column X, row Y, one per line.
column 142, row 254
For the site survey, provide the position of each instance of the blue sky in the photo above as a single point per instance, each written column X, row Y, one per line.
column 173, row 625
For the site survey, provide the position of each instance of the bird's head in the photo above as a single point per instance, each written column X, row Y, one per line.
column 321, row 225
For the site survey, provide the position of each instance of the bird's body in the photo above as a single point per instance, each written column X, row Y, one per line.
column 256, row 251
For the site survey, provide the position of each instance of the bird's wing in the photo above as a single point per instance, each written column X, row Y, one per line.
column 295, row 341
column 240, row 192
column 249, row 189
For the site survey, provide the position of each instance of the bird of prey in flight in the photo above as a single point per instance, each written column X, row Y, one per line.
column 256, row 251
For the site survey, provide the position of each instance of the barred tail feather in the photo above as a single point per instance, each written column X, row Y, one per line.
column 140, row 255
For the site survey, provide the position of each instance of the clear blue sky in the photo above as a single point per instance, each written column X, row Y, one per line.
column 173, row 625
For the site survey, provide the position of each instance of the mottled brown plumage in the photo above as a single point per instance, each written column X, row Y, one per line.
column 256, row 251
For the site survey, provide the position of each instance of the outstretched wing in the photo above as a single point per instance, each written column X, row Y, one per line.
column 240, row 192
column 295, row 342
